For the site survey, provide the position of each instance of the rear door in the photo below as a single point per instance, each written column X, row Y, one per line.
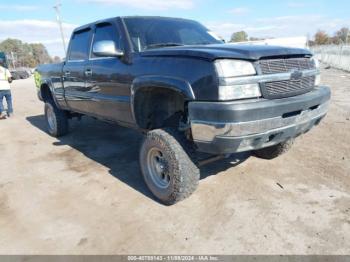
column 74, row 75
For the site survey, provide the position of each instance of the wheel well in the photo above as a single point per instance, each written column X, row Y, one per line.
column 159, row 107
column 46, row 93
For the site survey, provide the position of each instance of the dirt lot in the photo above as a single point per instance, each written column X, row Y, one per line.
column 83, row 194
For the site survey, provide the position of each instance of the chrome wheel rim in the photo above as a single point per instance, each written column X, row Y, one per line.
column 158, row 168
column 51, row 118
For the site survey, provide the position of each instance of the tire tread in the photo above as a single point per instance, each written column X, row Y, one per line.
column 274, row 151
column 61, row 120
column 186, row 177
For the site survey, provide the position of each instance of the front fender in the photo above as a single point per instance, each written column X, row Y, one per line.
column 175, row 84
column 167, row 82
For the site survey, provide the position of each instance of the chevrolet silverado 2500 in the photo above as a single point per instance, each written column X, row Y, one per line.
column 186, row 90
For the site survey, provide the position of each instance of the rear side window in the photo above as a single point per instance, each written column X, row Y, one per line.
column 79, row 49
column 106, row 32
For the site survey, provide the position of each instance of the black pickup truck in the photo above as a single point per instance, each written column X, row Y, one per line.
column 186, row 90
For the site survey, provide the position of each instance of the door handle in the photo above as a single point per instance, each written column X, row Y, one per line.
column 88, row 72
column 67, row 73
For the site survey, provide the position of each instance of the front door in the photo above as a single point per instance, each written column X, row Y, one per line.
column 108, row 79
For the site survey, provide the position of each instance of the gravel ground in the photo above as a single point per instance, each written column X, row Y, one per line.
column 83, row 194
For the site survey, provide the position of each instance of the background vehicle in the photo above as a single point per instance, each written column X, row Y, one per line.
column 186, row 90
column 20, row 74
column 23, row 74
column 15, row 75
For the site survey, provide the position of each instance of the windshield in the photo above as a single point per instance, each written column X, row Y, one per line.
column 155, row 32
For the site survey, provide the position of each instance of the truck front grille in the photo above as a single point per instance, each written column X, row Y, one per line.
column 279, row 89
column 289, row 87
column 273, row 66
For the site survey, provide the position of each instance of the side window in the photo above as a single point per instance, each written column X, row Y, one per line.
column 107, row 32
column 80, row 43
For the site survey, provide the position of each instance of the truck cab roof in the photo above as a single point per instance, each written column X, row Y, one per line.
column 82, row 27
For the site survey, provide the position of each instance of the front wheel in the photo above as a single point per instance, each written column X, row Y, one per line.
column 57, row 120
column 167, row 168
column 274, row 151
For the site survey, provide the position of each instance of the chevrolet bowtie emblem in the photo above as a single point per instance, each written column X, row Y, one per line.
column 296, row 75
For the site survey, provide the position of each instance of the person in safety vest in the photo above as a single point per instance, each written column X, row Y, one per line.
column 5, row 91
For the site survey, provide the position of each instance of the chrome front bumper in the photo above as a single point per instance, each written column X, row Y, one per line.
column 276, row 122
column 205, row 131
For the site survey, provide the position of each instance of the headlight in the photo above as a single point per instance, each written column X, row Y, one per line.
column 227, row 68
column 316, row 62
column 317, row 66
column 239, row 91
column 318, row 80
column 234, row 68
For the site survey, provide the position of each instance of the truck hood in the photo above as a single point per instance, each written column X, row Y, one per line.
column 212, row 52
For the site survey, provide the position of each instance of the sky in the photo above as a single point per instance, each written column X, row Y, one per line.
column 35, row 21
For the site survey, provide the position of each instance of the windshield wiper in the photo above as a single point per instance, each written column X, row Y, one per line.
column 163, row 45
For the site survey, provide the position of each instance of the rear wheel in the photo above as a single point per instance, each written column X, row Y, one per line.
column 274, row 151
column 166, row 166
column 57, row 120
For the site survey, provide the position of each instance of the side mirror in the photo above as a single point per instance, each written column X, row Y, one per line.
column 106, row 48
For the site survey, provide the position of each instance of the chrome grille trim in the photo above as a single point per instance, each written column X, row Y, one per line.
column 287, row 87
column 275, row 88
column 273, row 66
